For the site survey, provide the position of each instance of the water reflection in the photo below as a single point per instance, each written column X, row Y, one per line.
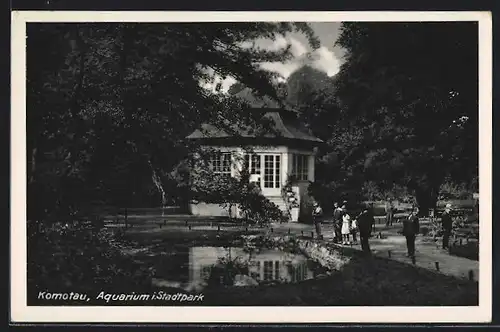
column 215, row 266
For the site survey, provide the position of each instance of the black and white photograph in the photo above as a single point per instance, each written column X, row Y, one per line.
column 323, row 167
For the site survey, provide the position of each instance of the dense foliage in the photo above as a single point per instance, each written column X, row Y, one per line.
column 108, row 108
column 77, row 258
column 110, row 104
column 401, row 115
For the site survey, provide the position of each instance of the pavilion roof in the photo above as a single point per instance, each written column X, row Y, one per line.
column 283, row 122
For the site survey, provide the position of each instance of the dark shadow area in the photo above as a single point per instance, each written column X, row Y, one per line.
column 96, row 265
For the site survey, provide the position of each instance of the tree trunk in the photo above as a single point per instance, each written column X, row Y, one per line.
column 157, row 182
column 426, row 200
column 31, row 178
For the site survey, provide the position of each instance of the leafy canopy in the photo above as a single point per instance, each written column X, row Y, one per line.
column 110, row 104
column 401, row 113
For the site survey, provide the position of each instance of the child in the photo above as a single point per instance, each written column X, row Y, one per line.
column 346, row 226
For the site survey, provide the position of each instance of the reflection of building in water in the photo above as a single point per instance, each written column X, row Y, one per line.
column 266, row 265
column 268, row 270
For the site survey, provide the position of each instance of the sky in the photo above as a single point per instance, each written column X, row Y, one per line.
column 326, row 58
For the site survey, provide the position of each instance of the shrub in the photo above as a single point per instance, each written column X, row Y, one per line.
column 229, row 191
column 469, row 250
column 257, row 208
column 225, row 271
column 378, row 210
column 435, row 229
column 65, row 258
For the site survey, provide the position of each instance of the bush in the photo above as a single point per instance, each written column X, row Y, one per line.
column 81, row 259
column 257, row 208
column 225, row 270
column 379, row 211
column 435, row 229
column 228, row 191
column 469, row 250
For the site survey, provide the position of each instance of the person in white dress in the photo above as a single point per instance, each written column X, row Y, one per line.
column 346, row 226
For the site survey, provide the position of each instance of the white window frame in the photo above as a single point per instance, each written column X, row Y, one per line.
column 253, row 163
column 268, row 270
column 276, row 270
column 220, row 163
column 272, row 176
column 300, row 166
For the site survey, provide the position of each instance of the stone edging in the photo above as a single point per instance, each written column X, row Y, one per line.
column 328, row 257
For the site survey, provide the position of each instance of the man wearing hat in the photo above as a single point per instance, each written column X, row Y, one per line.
column 447, row 224
column 411, row 227
column 389, row 214
column 337, row 222
column 365, row 225
column 317, row 215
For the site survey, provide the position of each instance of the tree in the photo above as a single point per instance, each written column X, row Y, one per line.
column 408, row 96
column 116, row 100
column 312, row 93
column 390, row 119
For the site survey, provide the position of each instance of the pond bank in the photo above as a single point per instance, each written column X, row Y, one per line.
column 352, row 279
column 355, row 280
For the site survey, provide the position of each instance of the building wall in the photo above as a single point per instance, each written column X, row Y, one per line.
column 305, row 199
column 208, row 209
column 212, row 210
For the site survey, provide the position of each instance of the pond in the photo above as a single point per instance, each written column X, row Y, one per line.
column 197, row 268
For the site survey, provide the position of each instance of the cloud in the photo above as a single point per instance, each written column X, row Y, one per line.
column 297, row 48
column 283, row 69
column 278, row 44
column 322, row 59
column 211, row 85
column 225, row 84
column 325, row 60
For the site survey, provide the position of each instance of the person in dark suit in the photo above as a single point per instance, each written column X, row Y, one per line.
column 411, row 228
column 365, row 226
column 317, row 215
column 337, row 222
column 389, row 214
column 447, row 224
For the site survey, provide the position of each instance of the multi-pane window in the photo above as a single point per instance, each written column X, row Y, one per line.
column 300, row 166
column 272, row 171
column 293, row 273
column 276, row 270
column 252, row 163
column 299, row 272
column 277, row 172
column 205, row 272
column 220, row 163
column 268, row 270
column 256, row 275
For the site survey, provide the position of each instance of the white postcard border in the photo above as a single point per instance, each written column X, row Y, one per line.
column 20, row 312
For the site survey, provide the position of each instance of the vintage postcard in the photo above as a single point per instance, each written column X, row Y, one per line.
column 251, row 167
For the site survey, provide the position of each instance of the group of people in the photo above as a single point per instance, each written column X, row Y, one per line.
column 411, row 228
column 345, row 226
